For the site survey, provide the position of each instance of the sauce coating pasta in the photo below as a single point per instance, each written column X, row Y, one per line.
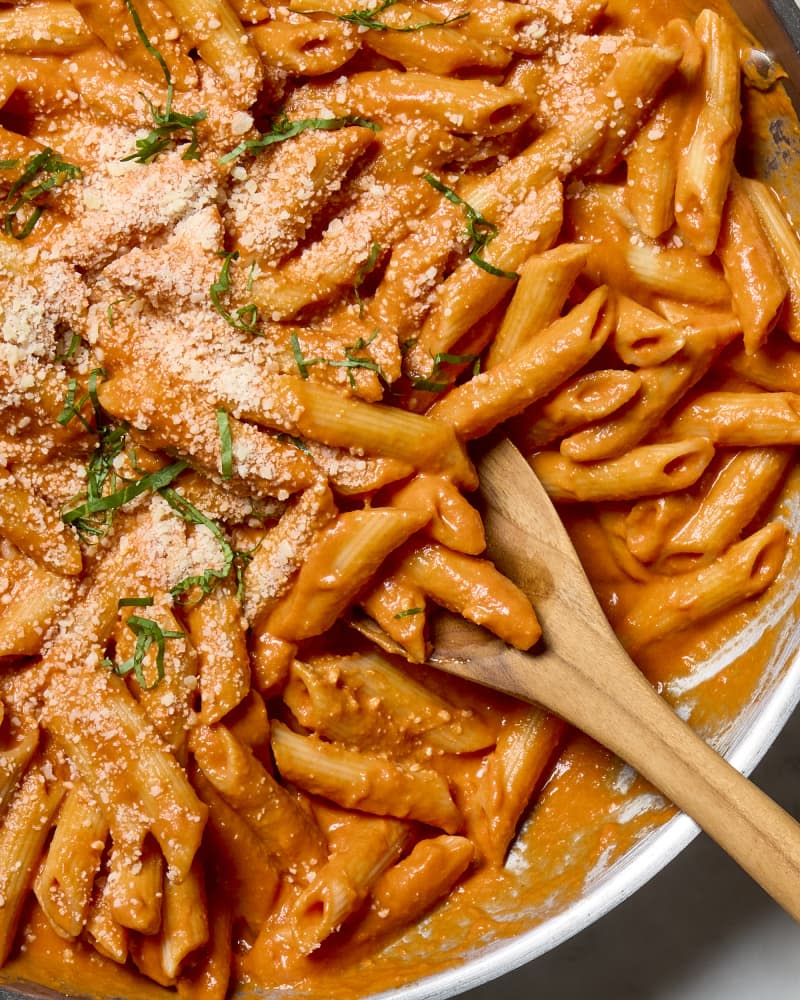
column 266, row 272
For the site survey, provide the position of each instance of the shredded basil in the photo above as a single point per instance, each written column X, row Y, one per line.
column 42, row 173
column 350, row 361
column 366, row 268
column 148, row 633
column 281, row 129
column 71, row 410
column 72, row 347
column 234, row 560
column 367, row 18
column 135, row 602
column 243, row 318
column 226, row 444
column 170, row 125
column 99, row 504
column 302, row 363
column 479, row 229
column 431, row 383
column 299, row 443
column 409, row 612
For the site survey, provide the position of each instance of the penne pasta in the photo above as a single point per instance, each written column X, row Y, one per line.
column 64, row 883
column 407, row 890
column 751, row 268
column 704, row 166
column 642, row 471
column 369, row 783
column 747, row 567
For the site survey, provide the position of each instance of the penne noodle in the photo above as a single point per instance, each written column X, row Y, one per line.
column 643, row 471
column 642, row 337
column 475, row 589
column 449, row 50
column 334, row 698
column 741, row 419
column 407, row 890
column 105, row 935
column 217, row 33
column 525, row 745
column 23, row 831
column 785, row 244
column 534, row 371
column 368, row 783
column 546, row 280
column 581, row 400
column 209, row 975
column 64, row 882
column 704, row 166
column 34, row 602
column 397, row 605
column 751, row 267
column 217, row 632
column 135, row 887
column 463, row 105
column 14, row 761
column 308, row 48
column 745, row 569
column 775, row 366
column 345, row 557
column 453, row 520
column 50, row 27
column 344, row 881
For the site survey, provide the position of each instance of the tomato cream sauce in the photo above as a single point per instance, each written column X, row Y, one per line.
column 591, row 810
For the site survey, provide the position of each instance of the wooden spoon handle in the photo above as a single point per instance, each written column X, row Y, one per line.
column 634, row 722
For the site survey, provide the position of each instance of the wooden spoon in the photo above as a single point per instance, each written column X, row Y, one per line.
column 584, row 675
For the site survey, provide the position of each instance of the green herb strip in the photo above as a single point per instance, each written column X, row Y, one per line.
column 297, row 442
column 153, row 481
column 409, row 612
column 93, row 517
column 245, row 317
column 135, row 602
column 368, row 19
column 148, row 633
column 479, row 229
column 42, row 173
column 233, row 559
column 281, row 129
column 430, row 384
column 69, row 353
column 169, row 124
column 225, row 444
column 366, row 268
column 351, row 360
column 71, row 409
